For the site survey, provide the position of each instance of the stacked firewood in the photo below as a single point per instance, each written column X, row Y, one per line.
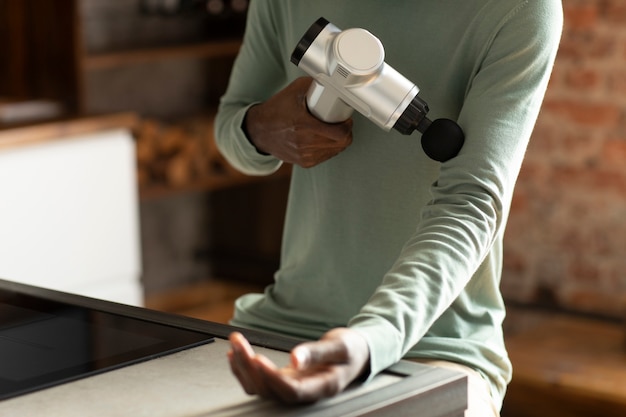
column 177, row 154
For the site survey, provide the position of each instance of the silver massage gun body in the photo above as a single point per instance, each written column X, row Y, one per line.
column 349, row 72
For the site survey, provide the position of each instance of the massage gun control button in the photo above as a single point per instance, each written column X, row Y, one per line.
column 359, row 52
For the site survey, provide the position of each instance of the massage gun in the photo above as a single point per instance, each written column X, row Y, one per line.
column 349, row 72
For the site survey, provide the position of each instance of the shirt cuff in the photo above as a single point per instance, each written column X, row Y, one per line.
column 384, row 343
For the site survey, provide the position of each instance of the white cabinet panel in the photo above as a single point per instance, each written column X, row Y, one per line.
column 69, row 216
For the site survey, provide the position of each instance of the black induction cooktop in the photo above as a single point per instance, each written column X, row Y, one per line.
column 45, row 342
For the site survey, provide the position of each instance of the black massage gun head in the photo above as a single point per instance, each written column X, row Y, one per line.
column 442, row 140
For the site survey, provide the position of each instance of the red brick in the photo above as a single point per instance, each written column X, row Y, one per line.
column 580, row 16
column 583, row 45
column 616, row 279
column 617, row 78
column 608, row 180
column 519, row 201
column 571, row 241
column 583, row 79
column 565, row 240
column 584, row 270
column 585, row 113
column 614, row 152
column 590, row 180
column 531, row 171
column 590, row 239
column 554, row 80
column 614, row 11
column 515, row 262
column 565, row 147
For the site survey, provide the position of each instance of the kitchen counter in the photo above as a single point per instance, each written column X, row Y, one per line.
column 197, row 382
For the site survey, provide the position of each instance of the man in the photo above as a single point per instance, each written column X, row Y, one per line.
column 388, row 254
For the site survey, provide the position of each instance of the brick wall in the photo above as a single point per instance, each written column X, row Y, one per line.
column 565, row 245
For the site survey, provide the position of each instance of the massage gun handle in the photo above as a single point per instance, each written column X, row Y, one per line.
column 327, row 106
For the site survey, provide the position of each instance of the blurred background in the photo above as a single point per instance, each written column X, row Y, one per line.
column 111, row 186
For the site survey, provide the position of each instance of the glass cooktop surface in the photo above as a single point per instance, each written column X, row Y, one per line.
column 45, row 343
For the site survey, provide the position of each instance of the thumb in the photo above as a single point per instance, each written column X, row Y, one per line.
column 322, row 352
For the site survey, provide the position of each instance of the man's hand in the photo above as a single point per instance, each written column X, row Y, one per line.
column 318, row 369
column 283, row 127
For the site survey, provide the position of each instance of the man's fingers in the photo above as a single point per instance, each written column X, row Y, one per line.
column 238, row 341
column 291, row 386
column 311, row 149
column 239, row 359
column 244, row 364
column 235, row 367
column 280, row 384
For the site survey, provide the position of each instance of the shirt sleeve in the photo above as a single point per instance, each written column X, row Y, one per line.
column 471, row 197
column 258, row 71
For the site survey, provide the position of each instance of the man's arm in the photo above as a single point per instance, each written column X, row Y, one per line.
column 284, row 128
column 471, row 197
column 262, row 119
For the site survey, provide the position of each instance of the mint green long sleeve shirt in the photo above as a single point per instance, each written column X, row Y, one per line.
column 403, row 249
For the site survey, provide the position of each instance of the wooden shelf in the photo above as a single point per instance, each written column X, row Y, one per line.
column 210, row 49
column 74, row 75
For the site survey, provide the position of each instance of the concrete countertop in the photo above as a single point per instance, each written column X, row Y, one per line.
column 197, row 382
